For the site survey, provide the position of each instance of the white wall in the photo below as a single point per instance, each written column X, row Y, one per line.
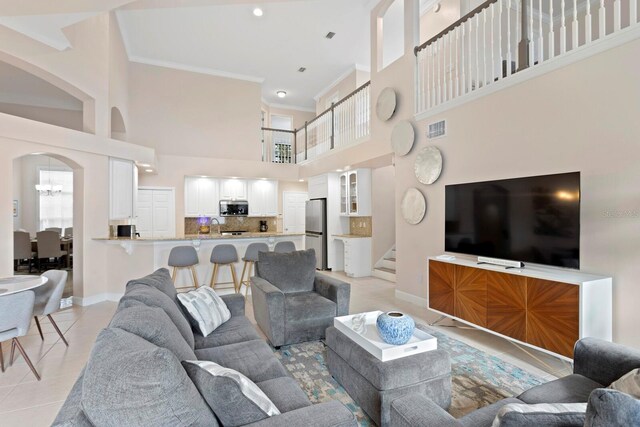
column 383, row 206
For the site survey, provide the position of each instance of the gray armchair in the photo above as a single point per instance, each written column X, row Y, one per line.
column 597, row 364
column 291, row 302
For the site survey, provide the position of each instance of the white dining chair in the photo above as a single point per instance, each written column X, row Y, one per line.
column 15, row 317
column 48, row 298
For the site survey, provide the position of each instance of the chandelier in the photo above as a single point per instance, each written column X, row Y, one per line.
column 49, row 189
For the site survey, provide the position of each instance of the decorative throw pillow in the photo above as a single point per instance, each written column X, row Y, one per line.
column 541, row 414
column 206, row 308
column 628, row 383
column 234, row 398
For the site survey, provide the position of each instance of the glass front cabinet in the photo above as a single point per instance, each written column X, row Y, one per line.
column 343, row 194
column 355, row 193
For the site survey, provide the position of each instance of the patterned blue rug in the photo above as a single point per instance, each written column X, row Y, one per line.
column 478, row 378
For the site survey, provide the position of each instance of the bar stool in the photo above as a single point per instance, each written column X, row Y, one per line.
column 284, row 247
column 184, row 257
column 224, row 255
column 250, row 259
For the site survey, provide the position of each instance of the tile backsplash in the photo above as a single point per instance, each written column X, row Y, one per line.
column 360, row 226
column 249, row 224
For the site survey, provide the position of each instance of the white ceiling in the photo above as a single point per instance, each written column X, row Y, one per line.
column 19, row 87
column 226, row 39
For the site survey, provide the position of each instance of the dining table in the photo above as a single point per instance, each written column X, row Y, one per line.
column 14, row 284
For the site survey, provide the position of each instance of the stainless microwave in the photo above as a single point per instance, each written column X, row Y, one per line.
column 234, row 208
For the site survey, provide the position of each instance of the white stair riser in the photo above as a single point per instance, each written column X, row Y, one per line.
column 388, row 264
column 384, row 275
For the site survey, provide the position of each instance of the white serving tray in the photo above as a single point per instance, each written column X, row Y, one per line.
column 371, row 341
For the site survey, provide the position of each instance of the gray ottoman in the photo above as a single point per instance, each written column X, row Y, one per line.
column 374, row 384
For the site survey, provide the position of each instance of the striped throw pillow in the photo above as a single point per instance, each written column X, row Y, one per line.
column 206, row 308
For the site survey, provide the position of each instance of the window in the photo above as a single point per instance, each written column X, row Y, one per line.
column 56, row 210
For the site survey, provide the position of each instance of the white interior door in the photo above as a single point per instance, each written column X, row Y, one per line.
column 144, row 222
column 293, row 211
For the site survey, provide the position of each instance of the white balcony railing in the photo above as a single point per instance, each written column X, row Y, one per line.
column 500, row 38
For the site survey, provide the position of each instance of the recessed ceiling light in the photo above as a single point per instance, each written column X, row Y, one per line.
column 145, row 165
column 301, row 180
column 338, row 170
column 281, row 94
column 302, row 69
column 257, row 12
column 148, row 170
column 330, row 35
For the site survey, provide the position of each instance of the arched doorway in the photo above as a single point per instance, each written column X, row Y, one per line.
column 118, row 128
column 47, row 196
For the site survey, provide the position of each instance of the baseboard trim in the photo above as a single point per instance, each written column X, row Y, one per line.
column 96, row 299
column 405, row 296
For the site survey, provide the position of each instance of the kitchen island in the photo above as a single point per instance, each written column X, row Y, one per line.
column 131, row 258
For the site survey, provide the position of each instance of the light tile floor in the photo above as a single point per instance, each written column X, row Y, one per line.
column 25, row 402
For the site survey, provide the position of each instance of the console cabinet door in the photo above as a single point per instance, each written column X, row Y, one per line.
column 471, row 295
column 553, row 315
column 507, row 304
column 442, row 286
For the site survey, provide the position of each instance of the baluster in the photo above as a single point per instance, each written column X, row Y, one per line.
column 457, row 64
column 432, row 96
column 574, row 26
column 633, row 12
column 438, row 85
column 552, row 36
column 563, row 31
column 477, row 19
column 501, row 58
column 418, row 106
column 469, row 59
column 602, row 15
column 484, row 47
column 445, row 89
column 463, row 73
column 531, row 45
column 508, row 37
column 493, row 30
column 450, row 70
column 617, row 15
column 540, row 34
column 588, row 30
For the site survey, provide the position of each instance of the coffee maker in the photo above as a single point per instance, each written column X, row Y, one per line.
column 263, row 226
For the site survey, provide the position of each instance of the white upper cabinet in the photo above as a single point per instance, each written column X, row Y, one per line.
column 123, row 176
column 263, row 197
column 201, row 196
column 318, row 188
column 233, row 189
column 355, row 193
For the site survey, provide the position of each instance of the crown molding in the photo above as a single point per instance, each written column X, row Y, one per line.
column 288, row 107
column 194, row 69
column 341, row 77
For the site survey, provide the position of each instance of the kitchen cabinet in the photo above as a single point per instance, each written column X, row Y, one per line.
column 357, row 256
column 263, row 197
column 355, row 193
column 123, row 182
column 233, row 189
column 201, row 197
column 318, row 188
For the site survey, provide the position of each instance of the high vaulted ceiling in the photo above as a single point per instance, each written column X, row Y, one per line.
column 222, row 37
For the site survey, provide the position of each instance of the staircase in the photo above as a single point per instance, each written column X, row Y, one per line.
column 385, row 268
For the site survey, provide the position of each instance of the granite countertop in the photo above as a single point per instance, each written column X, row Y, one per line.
column 351, row 236
column 212, row 236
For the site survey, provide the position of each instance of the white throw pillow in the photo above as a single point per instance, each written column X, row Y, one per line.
column 628, row 383
column 219, row 403
column 559, row 409
column 206, row 308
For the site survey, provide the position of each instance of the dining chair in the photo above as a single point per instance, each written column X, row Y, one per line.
column 49, row 246
column 57, row 229
column 22, row 248
column 68, row 232
column 48, row 298
column 15, row 317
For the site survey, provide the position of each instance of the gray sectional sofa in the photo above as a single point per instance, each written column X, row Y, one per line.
column 134, row 375
column 597, row 364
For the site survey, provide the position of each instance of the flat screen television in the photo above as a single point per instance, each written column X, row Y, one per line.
column 534, row 219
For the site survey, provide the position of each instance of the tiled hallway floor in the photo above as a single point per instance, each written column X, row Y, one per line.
column 25, row 402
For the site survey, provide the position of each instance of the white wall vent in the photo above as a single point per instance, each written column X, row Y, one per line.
column 437, row 129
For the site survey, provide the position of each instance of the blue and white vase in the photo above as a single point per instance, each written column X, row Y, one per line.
column 395, row 328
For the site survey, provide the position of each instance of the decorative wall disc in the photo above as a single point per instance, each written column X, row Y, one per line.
column 386, row 104
column 428, row 165
column 402, row 138
column 414, row 206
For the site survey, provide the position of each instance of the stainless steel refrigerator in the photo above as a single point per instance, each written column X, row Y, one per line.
column 316, row 230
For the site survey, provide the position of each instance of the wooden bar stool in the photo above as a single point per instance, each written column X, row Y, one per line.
column 184, row 257
column 224, row 255
column 250, row 259
column 285, row 247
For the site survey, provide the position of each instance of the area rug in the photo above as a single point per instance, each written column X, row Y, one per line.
column 478, row 378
